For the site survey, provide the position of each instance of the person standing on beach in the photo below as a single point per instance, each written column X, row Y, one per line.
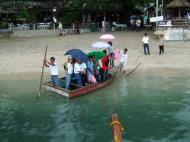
column 145, row 41
column 103, row 26
column 138, row 25
column 60, row 29
column 77, row 26
column 123, row 59
column 53, row 69
column 161, row 44
column 132, row 23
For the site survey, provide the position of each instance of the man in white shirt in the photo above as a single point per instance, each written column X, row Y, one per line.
column 145, row 41
column 53, row 69
column 77, row 72
column 83, row 68
column 123, row 59
column 69, row 72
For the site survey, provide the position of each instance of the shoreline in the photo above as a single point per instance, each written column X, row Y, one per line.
column 25, row 55
column 156, row 71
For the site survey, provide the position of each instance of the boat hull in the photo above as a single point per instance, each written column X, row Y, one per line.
column 80, row 91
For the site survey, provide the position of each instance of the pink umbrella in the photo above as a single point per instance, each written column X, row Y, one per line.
column 116, row 54
column 107, row 37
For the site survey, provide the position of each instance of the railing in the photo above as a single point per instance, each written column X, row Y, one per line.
column 37, row 26
column 178, row 32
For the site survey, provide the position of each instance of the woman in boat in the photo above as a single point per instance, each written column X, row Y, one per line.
column 90, row 70
column 69, row 72
column 105, row 63
column 77, row 73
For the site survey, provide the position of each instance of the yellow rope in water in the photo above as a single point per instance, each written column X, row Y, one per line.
column 117, row 122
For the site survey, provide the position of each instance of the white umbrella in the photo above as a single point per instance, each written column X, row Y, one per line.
column 100, row 45
column 107, row 37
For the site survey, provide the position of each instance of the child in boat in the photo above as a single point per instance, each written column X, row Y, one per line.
column 53, row 69
column 69, row 75
column 123, row 60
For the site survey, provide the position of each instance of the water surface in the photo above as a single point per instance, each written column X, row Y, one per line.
column 152, row 106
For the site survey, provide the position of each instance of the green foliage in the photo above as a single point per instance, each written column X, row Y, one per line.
column 23, row 15
column 3, row 25
column 103, row 5
column 29, row 15
column 69, row 18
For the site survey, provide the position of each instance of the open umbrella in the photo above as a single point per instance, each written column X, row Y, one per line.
column 133, row 17
column 77, row 54
column 100, row 45
column 107, row 37
column 98, row 54
column 159, row 32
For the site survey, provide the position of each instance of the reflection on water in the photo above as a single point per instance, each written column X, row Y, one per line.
column 151, row 106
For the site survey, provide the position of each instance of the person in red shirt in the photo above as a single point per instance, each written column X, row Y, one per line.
column 105, row 62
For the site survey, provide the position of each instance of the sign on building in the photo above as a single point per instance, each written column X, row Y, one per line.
column 156, row 19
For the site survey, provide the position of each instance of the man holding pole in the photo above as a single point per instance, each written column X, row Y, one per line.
column 53, row 69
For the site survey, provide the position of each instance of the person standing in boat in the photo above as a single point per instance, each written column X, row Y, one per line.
column 77, row 73
column 96, row 69
column 53, row 69
column 105, row 63
column 123, row 59
column 83, row 69
column 89, row 69
column 111, row 54
column 69, row 72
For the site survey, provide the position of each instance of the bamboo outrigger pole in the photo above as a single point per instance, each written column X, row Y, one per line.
column 42, row 72
column 117, row 128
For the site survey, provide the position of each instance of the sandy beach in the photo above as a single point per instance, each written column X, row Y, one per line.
column 25, row 55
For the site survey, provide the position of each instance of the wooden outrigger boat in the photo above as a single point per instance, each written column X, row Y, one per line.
column 82, row 90
column 116, row 128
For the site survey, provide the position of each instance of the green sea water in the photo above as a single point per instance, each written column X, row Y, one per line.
column 152, row 106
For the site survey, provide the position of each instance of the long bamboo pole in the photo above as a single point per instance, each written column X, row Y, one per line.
column 42, row 72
